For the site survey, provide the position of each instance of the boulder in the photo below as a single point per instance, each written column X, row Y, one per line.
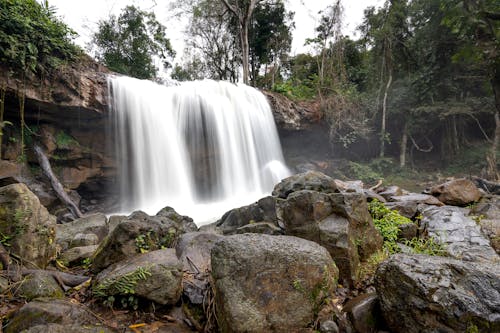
column 76, row 255
column 312, row 180
column 459, row 233
column 260, row 228
column 458, row 192
column 391, row 191
column 411, row 205
column 140, row 232
column 155, row 276
column 487, row 214
column 270, row 283
column 263, row 210
column 420, row 293
column 44, row 311
column 28, row 225
column 338, row 221
column 39, row 284
column 364, row 313
column 70, row 234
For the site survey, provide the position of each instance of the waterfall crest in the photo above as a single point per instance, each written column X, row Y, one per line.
column 201, row 147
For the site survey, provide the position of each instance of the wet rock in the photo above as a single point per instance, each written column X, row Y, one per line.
column 391, row 191
column 364, row 313
column 28, row 224
column 328, row 326
column 349, row 186
column 421, row 293
column 458, row 192
column 408, row 231
column 487, row 214
column 338, row 221
column 155, row 276
column 262, row 211
column 44, row 311
column 312, row 180
column 140, row 232
column 70, row 234
column 411, row 204
column 257, row 276
column 459, row 233
column 84, row 240
column 193, row 250
column 76, row 255
column 39, row 284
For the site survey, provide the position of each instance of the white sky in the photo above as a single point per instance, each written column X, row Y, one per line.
column 83, row 16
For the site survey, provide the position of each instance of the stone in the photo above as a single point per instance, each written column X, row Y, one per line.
column 420, row 293
column 459, row 233
column 39, row 284
column 391, row 191
column 487, row 214
column 263, row 210
column 193, row 250
column 256, row 277
column 312, row 180
column 69, row 234
column 410, row 205
column 29, row 226
column 364, row 313
column 140, row 232
column 458, row 192
column 80, row 240
column 408, row 231
column 9, row 169
column 329, row 326
column 75, row 255
column 161, row 282
column 4, row 284
column 44, row 311
column 340, row 222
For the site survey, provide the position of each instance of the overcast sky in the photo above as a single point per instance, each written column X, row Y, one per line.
column 83, row 16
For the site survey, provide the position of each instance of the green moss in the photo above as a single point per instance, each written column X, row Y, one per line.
column 65, row 141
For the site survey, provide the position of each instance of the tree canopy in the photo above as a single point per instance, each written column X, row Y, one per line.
column 130, row 43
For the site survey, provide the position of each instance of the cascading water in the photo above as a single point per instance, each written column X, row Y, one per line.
column 201, row 147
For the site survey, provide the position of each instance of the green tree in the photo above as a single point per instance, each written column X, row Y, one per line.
column 128, row 44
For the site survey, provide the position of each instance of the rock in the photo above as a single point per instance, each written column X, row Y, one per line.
column 312, row 180
column 45, row 311
column 328, row 326
column 364, row 313
column 4, row 284
column 459, row 233
column 80, row 240
column 338, row 221
column 58, row 328
column 140, row 232
column 487, row 214
column 9, row 169
column 114, row 220
column 408, row 231
column 155, row 276
column 69, row 234
column 410, row 205
column 391, row 191
column 263, row 210
column 421, row 293
column 193, row 250
column 349, row 186
column 458, row 192
column 257, row 276
column 76, row 255
column 28, row 224
column 39, row 284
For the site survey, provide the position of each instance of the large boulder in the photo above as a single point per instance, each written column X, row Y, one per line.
column 421, row 293
column 29, row 227
column 237, row 220
column 459, row 233
column 487, row 214
column 139, row 233
column 44, row 311
column 71, row 234
column 155, row 276
column 411, row 205
column 270, row 283
column 340, row 222
column 311, row 180
column 458, row 192
column 39, row 284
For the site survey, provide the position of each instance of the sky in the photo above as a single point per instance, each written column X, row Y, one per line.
column 83, row 16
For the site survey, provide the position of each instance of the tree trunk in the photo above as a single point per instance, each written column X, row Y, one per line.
column 402, row 150
column 384, row 116
column 492, row 155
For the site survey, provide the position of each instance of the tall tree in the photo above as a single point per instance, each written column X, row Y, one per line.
column 129, row 43
column 242, row 11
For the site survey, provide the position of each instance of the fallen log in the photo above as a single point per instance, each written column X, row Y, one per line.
column 56, row 185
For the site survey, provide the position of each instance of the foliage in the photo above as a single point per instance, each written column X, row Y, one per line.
column 32, row 38
column 64, row 140
column 150, row 241
column 427, row 246
column 123, row 286
column 387, row 222
column 363, row 172
column 128, row 44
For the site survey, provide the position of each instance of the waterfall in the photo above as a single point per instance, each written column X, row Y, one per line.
column 201, row 147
